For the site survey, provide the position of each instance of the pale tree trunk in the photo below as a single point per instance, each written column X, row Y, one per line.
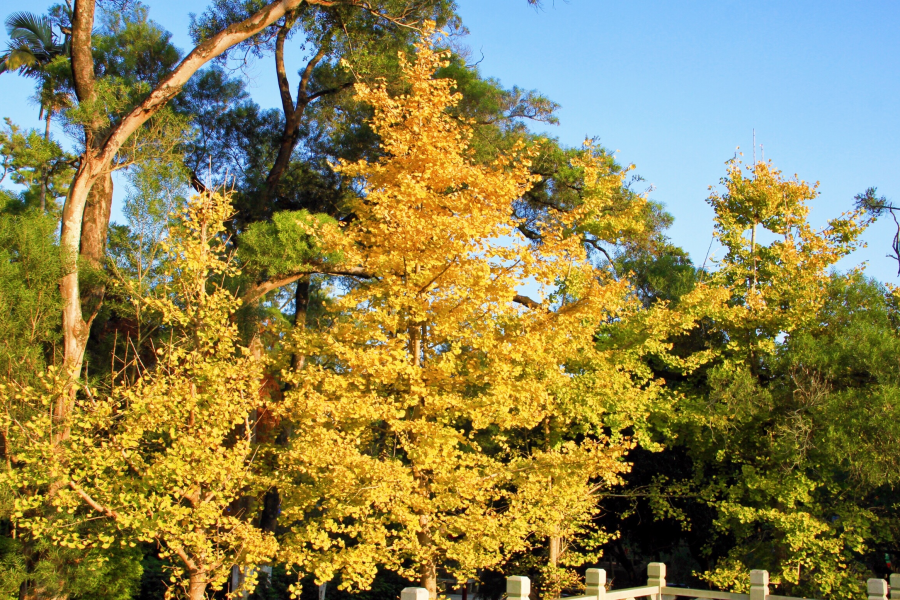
column 428, row 568
column 555, row 547
column 82, row 235
column 555, row 541
column 75, row 328
column 101, row 150
column 197, row 586
column 428, row 579
column 555, row 551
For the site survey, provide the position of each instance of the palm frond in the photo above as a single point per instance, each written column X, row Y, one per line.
column 19, row 58
column 35, row 29
column 28, row 21
column 32, row 44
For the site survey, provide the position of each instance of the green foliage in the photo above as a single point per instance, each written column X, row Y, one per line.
column 666, row 276
column 286, row 244
column 132, row 47
column 165, row 458
column 799, row 459
column 29, row 297
column 31, row 160
column 79, row 575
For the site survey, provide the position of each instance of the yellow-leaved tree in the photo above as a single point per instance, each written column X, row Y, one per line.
column 419, row 413
column 778, row 285
column 167, row 458
column 768, row 496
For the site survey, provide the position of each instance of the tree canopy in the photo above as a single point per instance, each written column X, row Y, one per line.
column 387, row 335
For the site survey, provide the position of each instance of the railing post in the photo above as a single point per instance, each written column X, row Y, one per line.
column 759, row 584
column 517, row 588
column 414, row 594
column 895, row 586
column 656, row 576
column 595, row 583
column 877, row 589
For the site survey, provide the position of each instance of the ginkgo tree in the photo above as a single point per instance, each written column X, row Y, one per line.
column 777, row 286
column 421, row 398
column 752, row 429
column 165, row 458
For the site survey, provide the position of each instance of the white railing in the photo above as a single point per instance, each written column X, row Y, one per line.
column 519, row 588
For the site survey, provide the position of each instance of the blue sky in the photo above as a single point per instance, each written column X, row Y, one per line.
column 676, row 87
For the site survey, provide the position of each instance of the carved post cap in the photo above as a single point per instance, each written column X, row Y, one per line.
column 656, row 574
column 656, row 570
column 414, row 594
column 595, row 578
column 518, row 587
column 759, row 577
column 877, row 589
column 895, row 586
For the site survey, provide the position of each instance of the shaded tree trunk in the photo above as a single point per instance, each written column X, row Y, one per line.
column 428, row 569
column 268, row 518
column 301, row 310
column 44, row 173
column 95, row 226
column 293, row 113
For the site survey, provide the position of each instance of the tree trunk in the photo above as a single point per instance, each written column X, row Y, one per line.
column 293, row 113
column 197, row 586
column 81, row 51
column 428, row 579
column 97, row 158
column 301, row 308
column 428, row 569
column 94, row 229
column 289, row 138
column 44, row 169
column 555, row 546
column 268, row 518
column 96, row 221
column 91, row 244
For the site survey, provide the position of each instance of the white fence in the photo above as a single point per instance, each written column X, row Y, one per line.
column 519, row 588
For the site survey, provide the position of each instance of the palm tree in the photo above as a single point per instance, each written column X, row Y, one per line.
column 32, row 46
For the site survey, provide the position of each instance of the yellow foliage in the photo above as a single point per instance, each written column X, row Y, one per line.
column 416, row 409
column 167, row 458
column 776, row 287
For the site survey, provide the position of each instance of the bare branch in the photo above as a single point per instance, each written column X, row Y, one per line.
column 91, row 502
column 169, row 87
column 327, row 91
column 264, row 287
column 527, row 302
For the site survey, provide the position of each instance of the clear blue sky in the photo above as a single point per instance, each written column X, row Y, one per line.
column 676, row 87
